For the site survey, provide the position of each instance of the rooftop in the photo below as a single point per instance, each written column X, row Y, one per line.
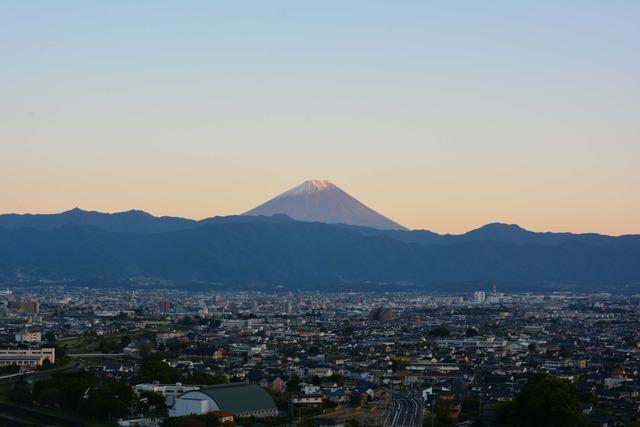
column 239, row 397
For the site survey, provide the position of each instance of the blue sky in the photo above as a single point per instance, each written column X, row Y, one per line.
column 441, row 115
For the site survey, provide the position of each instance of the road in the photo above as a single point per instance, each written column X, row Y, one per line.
column 406, row 412
column 99, row 355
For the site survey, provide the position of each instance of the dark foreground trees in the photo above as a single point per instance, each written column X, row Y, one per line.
column 78, row 392
column 153, row 368
column 544, row 401
column 207, row 420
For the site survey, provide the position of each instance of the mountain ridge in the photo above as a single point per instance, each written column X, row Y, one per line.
column 245, row 250
column 238, row 252
column 116, row 222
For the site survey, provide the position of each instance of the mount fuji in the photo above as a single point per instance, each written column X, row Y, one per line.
column 319, row 200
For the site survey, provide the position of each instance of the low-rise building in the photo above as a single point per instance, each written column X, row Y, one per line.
column 28, row 336
column 239, row 399
column 27, row 357
column 307, row 399
column 169, row 391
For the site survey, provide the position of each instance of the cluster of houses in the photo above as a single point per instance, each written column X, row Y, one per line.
column 328, row 351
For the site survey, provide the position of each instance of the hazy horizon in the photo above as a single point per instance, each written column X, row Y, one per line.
column 442, row 117
column 244, row 213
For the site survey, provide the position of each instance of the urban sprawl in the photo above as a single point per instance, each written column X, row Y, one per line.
column 83, row 356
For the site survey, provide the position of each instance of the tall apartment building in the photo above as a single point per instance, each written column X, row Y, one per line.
column 380, row 314
column 164, row 306
column 479, row 297
column 287, row 307
column 31, row 307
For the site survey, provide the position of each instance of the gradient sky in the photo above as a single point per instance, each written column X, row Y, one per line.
column 441, row 115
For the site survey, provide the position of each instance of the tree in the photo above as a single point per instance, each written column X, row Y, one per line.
column 65, row 390
column 471, row 332
column 339, row 379
column 9, row 369
column 21, row 393
column 110, row 401
column 430, row 420
column 202, row 378
column 153, row 368
column 445, row 410
column 187, row 321
column 469, row 408
column 125, row 341
column 439, row 331
column 207, row 420
column 50, row 338
column 293, row 383
column 61, row 352
column 155, row 403
column 308, row 422
column 544, row 401
column 48, row 397
column 105, row 346
column 566, row 350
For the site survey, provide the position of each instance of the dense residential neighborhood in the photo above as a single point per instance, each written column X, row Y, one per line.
column 178, row 358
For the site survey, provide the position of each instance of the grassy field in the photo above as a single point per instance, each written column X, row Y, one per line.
column 91, row 343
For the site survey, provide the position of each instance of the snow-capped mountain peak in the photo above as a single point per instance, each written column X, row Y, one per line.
column 310, row 186
column 322, row 201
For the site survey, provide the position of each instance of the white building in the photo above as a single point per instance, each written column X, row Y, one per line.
column 479, row 297
column 239, row 399
column 28, row 337
column 307, row 399
column 287, row 307
column 311, row 389
column 169, row 391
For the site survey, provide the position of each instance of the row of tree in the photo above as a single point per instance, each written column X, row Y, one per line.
column 78, row 392
column 544, row 401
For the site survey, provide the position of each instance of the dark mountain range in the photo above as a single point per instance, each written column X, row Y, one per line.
column 133, row 221
column 319, row 200
column 495, row 232
column 266, row 251
column 136, row 221
column 130, row 221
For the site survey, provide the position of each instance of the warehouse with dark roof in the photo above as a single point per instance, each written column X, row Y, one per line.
column 242, row 400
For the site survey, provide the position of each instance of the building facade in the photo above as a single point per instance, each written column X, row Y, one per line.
column 27, row 357
column 239, row 399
